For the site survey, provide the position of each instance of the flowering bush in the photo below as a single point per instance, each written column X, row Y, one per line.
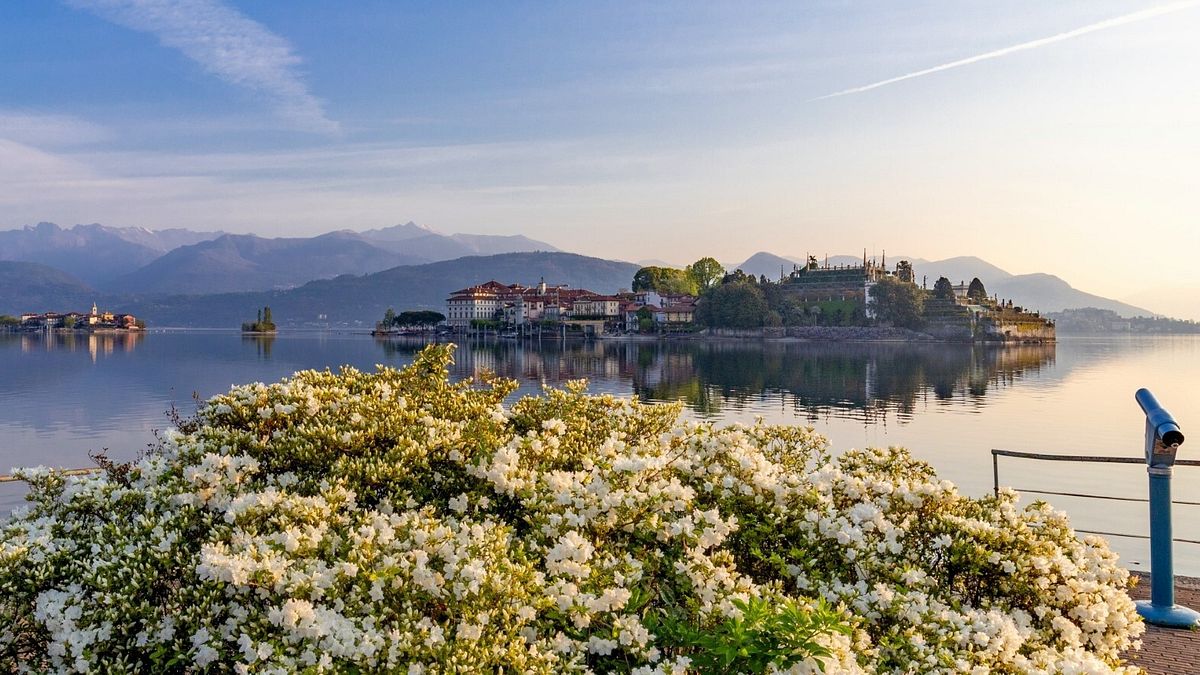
column 394, row 521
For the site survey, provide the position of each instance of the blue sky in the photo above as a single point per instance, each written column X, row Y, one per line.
column 632, row 130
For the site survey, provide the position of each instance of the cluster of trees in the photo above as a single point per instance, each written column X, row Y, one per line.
column 412, row 319
column 263, row 324
column 7, row 321
column 694, row 279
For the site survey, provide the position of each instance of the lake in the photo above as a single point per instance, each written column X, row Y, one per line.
column 62, row 396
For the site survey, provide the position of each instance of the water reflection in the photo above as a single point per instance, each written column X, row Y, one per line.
column 96, row 344
column 262, row 344
column 813, row 378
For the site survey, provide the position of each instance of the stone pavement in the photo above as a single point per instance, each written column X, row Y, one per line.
column 1169, row 651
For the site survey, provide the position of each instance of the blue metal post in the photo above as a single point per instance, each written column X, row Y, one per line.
column 1162, row 563
column 1163, row 439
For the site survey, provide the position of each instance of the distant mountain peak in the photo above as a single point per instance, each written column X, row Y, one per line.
column 409, row 230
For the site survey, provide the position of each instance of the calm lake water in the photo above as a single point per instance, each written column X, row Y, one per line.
column 63, row 396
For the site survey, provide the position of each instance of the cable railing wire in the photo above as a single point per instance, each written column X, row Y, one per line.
column 1099, row 459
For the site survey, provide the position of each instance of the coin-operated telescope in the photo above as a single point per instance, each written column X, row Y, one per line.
column 1163, row 438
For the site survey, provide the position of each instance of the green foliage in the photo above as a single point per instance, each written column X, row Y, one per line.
column 9, row 321
column 898, row 303
column 776, row 632
column 389, row 317
column 69, row 322
column 706, row 273
column 976, row 291
column 739, row 277
column 664, row 280
column 263, row 324
column 733, row 305
column 418, row 318
column 943, row 289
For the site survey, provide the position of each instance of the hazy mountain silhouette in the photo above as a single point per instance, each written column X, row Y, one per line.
column 245, row 262
column 421, row 242
column 350, row 299
column 32, row 287
column 138, row 260
column 94, row 253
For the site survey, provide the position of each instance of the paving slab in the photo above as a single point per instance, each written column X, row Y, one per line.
column 1169, row 651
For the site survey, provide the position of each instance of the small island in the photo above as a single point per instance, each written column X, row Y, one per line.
column 262, row 326
column 95, row 321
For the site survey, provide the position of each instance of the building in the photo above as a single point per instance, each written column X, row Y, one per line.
column 518, row 305
column 815, row 285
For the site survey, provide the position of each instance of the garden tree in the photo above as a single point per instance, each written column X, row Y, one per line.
column 898, row 302
column 420, row 318
column 733, row 305
column 738, row 277
column 8, row 321
column 266, row 316
column 389, row 317
column 943, row 289
column 68, row 322
column 667, row 280
column 706, row 273
column 786, row 304
column 976, row 291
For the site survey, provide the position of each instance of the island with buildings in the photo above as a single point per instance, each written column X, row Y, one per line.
column 94, row 321
column 813, row 301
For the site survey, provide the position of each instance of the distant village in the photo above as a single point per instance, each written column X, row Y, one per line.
column 867, row 295
column 93, row 321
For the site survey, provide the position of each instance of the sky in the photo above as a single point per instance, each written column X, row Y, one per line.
column 1055, row 137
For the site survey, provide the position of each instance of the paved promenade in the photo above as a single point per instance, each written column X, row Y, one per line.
column 1170, row 651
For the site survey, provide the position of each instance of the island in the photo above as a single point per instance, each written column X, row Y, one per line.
column 95, row 321
column 866, row 301
column 263, row 325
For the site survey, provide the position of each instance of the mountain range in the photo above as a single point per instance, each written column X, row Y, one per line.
column 1039, row 291
column 143, row 262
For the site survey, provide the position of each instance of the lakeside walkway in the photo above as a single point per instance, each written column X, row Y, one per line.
column 1169, row 651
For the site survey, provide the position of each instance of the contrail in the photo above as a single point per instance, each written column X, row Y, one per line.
column 1148, row 13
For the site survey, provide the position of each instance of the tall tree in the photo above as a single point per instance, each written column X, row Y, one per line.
column 976, row 291
column 389, row 317
column 942, row 288
column 733, row 305
column 706, row 273
column 664, row 280
column 898, row 303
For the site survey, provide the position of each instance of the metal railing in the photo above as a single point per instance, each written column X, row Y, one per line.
column 1097, row 459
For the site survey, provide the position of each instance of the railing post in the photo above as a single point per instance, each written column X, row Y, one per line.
column 1163, row 439
column 995, row 473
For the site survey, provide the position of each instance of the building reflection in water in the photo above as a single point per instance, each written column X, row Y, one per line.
column 865, row 380
column 97, row 344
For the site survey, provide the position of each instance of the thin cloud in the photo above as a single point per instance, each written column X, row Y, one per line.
column 1114, row 22
column 43, row 129
column 227, row 44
